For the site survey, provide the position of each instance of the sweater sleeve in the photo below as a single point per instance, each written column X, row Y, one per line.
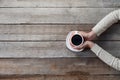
column 106, row 57
column 106, row 22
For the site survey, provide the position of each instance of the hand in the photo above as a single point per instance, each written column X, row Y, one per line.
column 87, row 44
column 91, row 35
column 87, row 36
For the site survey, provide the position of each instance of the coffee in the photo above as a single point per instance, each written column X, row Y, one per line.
column 77, row 40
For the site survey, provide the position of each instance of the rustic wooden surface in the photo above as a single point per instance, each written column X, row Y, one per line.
column 32, row 39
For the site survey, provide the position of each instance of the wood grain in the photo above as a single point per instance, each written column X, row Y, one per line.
column 60, row 3
column 82, row 77
column 36, row 50
column 51, row 49
column 64, row 77
column 54, row 32
column 52, row 15
column 112, row 33
column 38, row 32
column 45, row 41
column 55, row 66
column 32, row 39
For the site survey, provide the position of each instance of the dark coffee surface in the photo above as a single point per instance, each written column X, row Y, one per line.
column 76, row 39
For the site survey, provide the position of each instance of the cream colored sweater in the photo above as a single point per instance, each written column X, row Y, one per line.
column 105, row 23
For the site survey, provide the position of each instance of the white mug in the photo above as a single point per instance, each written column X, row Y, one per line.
column 74, row 38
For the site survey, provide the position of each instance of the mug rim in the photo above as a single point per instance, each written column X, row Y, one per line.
column 76, row 33
column 68, row 45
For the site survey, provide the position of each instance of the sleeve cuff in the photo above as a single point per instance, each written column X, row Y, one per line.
column 97, row 32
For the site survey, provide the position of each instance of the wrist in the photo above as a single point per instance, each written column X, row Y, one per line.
column 91, row 35
column 91, row 44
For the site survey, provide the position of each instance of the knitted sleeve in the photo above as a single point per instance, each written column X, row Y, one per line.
column 106, row 57
column 106, row 22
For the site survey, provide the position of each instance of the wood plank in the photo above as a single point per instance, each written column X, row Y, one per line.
column 82, row 77
column 64, row 77
column 113, row 33
column 55, row 66
column 52, row 15
column 51, row 49
column 111, row 46
column 38, row 32
column 51, row 32
column 60, row 3
column 37, row 50
column 30, row 77
column 104, row 77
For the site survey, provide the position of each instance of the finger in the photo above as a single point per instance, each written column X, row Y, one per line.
column 81, row 47
column 84, row 34
column 85, row 45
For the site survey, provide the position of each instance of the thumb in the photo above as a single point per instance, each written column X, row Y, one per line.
column 84, row 45
column 84, row 34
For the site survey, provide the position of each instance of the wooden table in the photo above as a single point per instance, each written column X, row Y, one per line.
column 32, row 39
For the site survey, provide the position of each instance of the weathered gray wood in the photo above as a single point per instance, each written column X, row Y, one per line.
column 50, row 49
column 30, row 77
column 38, row 32
column 104, row 77
column 112, row 47
column 55, row 66
column 62, row 77
column 113, row 33
column 82, row 77
column 52, row 15
column 51, row 32
column 37, row 50
column 59, row 3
